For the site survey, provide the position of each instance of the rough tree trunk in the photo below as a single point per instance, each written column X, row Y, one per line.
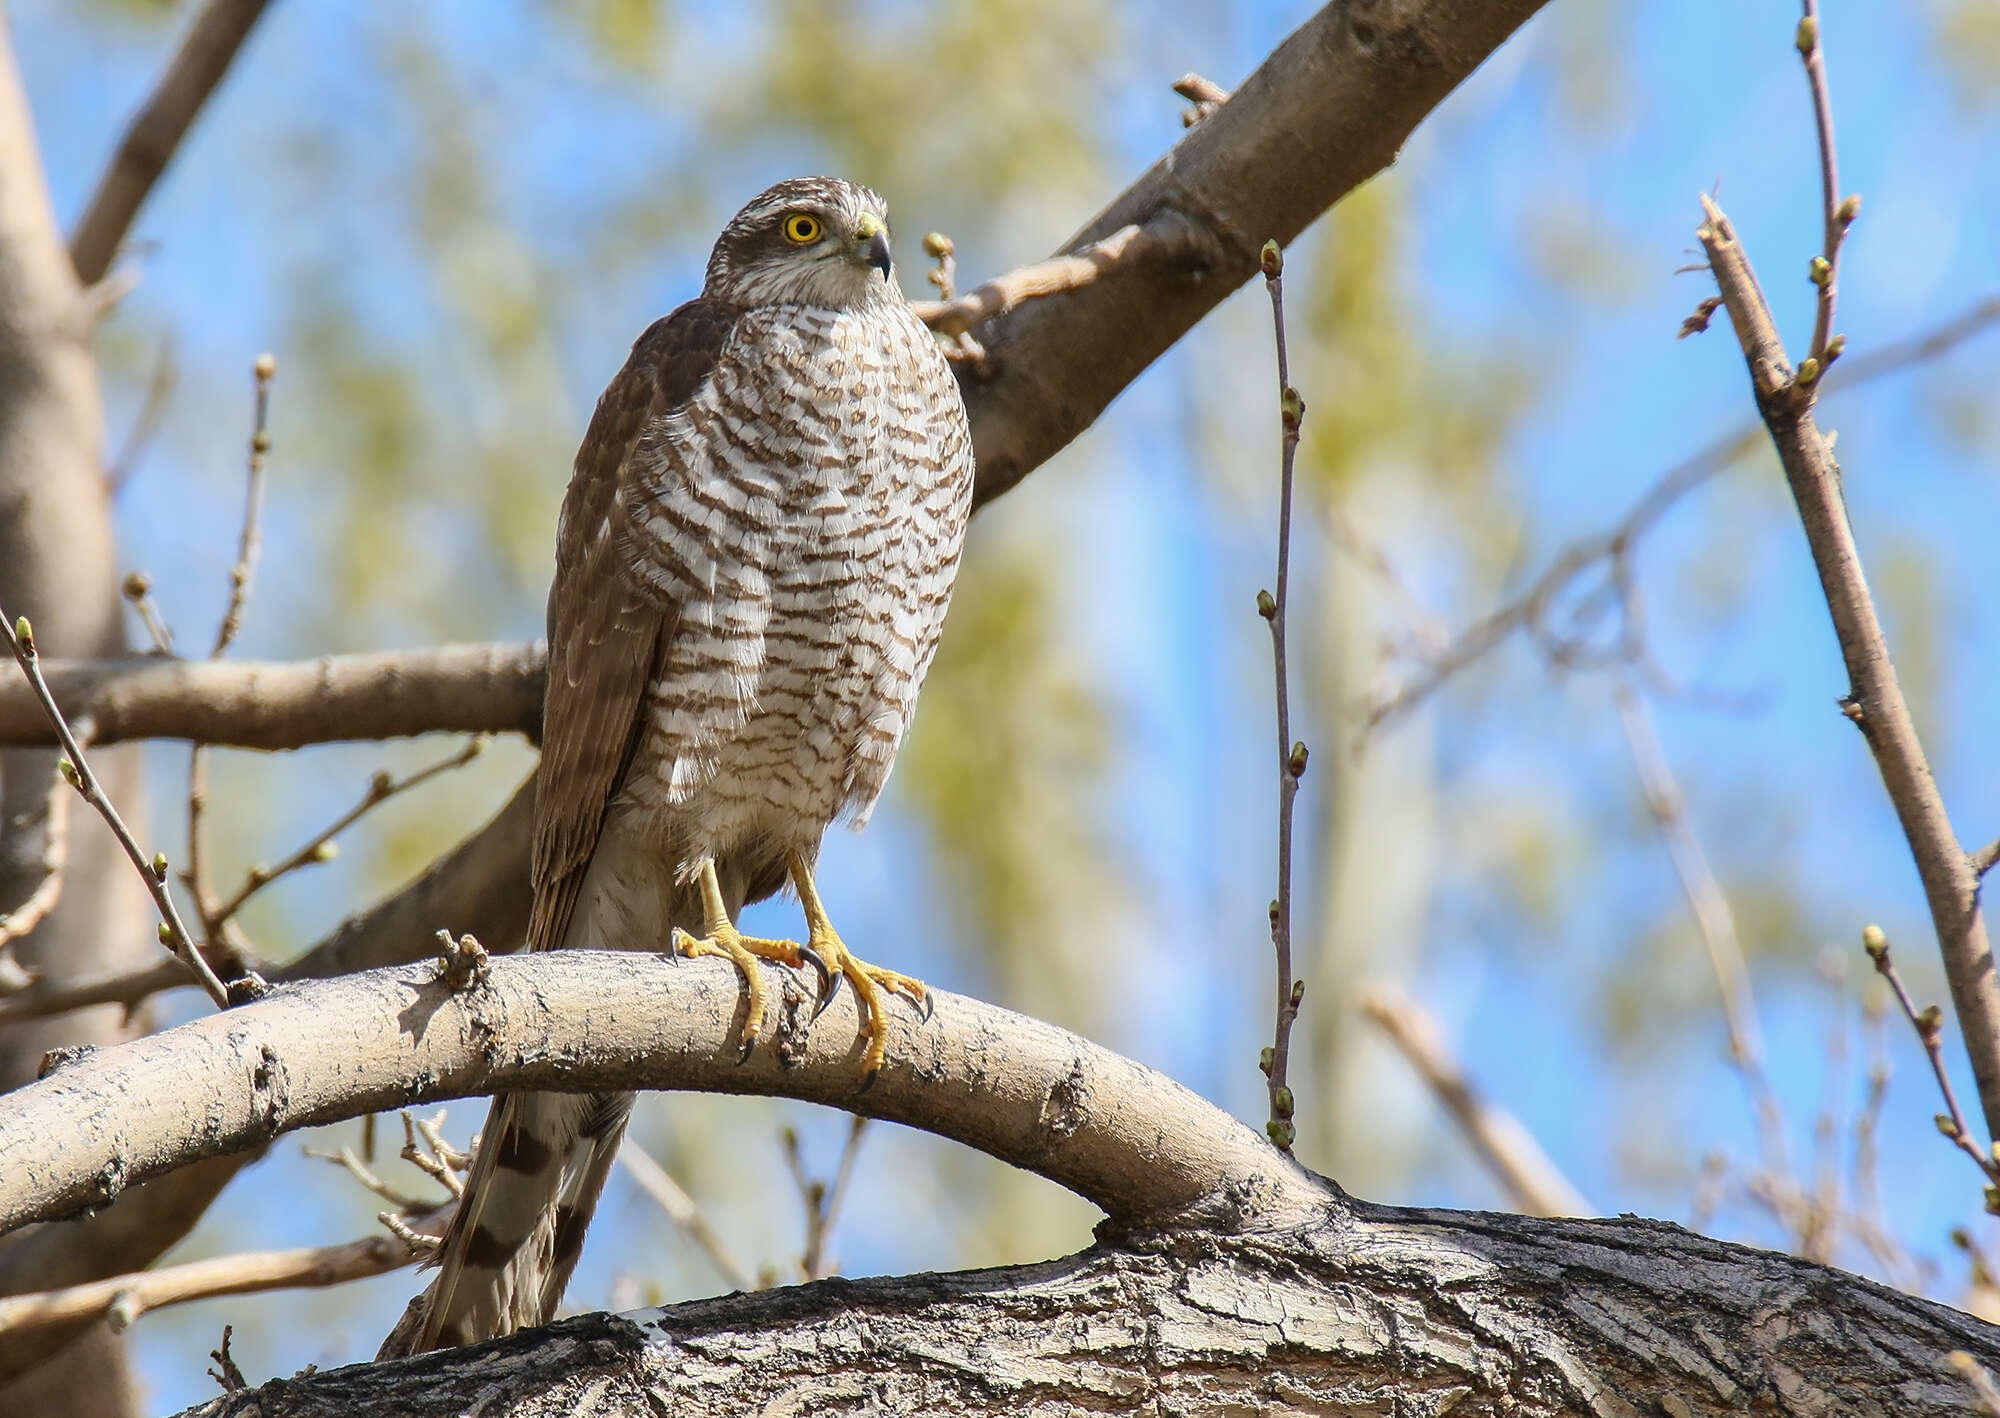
column 1229, row 1280
column 57, row 565
column 1372, row 1311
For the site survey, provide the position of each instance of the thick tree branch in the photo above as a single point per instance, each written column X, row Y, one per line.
column 1371, row 1312
column 58, row 565
column 1875, row 699
column 157, row 131
column 289, row 704
column 1137, row 1144
column 1238, row 1277
column 1326, row 111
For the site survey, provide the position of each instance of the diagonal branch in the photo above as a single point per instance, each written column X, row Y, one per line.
column 1327, row 110
column 157, row 130
column 1874, row 701
column 1533, row 1181
column 123, row 1298
column 20, row 641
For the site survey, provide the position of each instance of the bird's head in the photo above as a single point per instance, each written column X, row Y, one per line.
column 808, row 241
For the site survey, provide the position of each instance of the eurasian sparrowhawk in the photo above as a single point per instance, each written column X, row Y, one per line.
column 755, row 554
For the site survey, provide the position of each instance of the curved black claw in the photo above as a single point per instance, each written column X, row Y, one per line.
column 926, row 1007
column 829, row 979
column 868, row 1080
column 749, row 1047
column 829, row 989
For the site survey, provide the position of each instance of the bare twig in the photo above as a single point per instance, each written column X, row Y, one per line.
column 427, row 1152
column 1875, row 699
column 322, row 846
column 129, row 988
column 1291, row 755
column 1531, row 605
column 1929, row 1024
column 1982, row 860
column 126, row 1297
column 822, row 1201
column 481, row 883
column 1203, row 96
column 1070, row 271
column 359, row 1170
column 684, row 1211
column 944, row 275
column 138, row 593
column 1530, row 1177
column 1839, row 214
column 174, row 935
column 226, row 1373
column 157, row 130
column 1713, row 919
column 249, row 541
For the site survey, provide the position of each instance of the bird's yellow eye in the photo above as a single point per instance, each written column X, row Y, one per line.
column 801, row 230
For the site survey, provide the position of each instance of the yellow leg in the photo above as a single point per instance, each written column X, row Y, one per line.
column 869, row 981
column 722, row 938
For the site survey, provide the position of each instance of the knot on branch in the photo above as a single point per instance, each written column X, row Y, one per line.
column 462, row 963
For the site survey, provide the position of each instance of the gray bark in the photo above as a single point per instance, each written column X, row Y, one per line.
column 57, row 565
column 1371, row 1310
column 1228, row 1279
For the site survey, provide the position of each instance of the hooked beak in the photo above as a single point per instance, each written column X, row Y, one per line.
column 875, row 251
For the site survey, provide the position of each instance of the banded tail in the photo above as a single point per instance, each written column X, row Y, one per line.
column 530, row 1195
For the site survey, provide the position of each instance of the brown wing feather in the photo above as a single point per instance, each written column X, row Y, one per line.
column 607, row 637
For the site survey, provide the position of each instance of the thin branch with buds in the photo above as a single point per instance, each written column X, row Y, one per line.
column 323, row 845
column 1929, row 1024
column 1067, row 272
column 138, row 593
column 1874, row 702
column 20, row 638
column 1291, row 754
column 249, row 542
column 1839, row 212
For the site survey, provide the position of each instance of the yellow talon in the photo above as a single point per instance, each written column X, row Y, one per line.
column 869, row 981
column 722, row 938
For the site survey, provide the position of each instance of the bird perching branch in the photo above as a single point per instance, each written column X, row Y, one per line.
column 1291, row 755
column 1130, row 1140
column 1874, row 702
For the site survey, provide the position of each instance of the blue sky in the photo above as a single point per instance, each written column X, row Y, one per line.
column 1545, row 211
